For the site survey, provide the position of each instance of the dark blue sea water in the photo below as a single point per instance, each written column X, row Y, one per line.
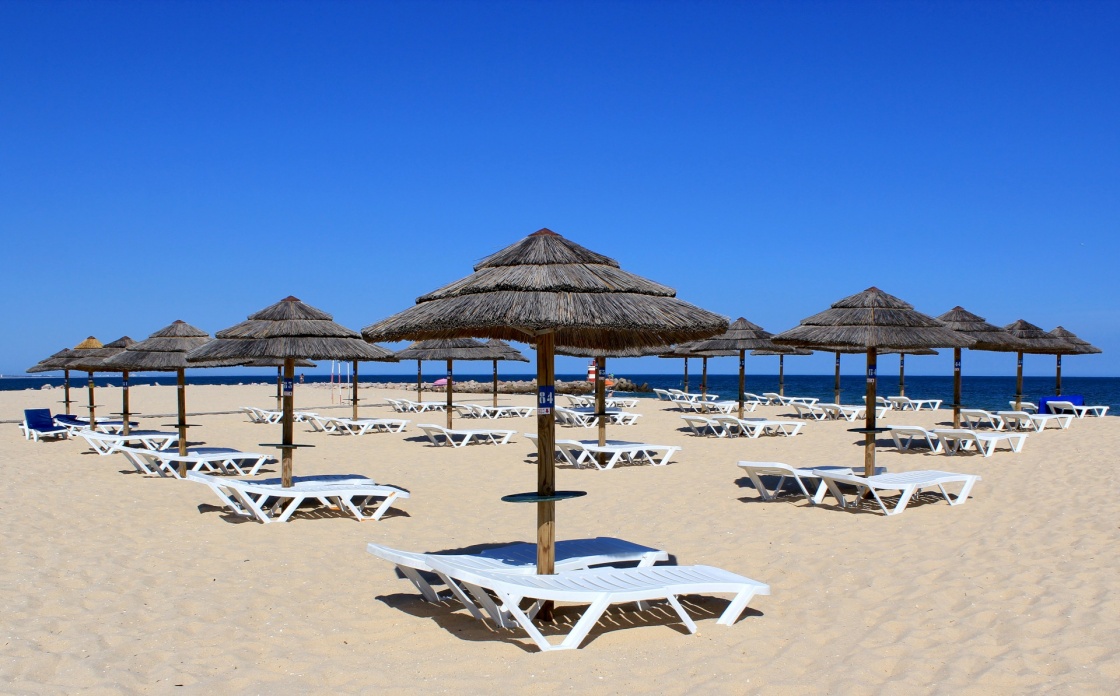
column 991, row 393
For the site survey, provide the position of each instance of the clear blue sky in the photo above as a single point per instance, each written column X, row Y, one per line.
column 199, row 161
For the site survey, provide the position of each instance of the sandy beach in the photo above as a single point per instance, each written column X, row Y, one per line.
column 112, row 582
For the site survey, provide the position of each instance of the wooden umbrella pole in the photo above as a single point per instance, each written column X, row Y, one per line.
column 902, row 374
column 1058, row 376
column 279, row 380
column 124, row 401
column 742, row 380
column 1019, row 383
column 419, row 381
column 836, row 382
column 601, row 404
column 66, row 389
column 354, row 391
column 289, row 409
column 546, row 468
column 92, row 406
column 704, row 385
column 448, row 408
column 686, row 375
column 781, row 375
column 495, row 384
column 869, row 436
column 956, row 387
column 181, row 395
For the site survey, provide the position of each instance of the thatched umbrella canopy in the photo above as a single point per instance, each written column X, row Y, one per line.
column 55, row 363
column 83, row 354
column 165, row 350
column 94, row 361
column 450, row 350
column 871, row 320
column 1081, row 347
column 1034, row 340
column 505, row 352
column 549, row 290
column 988, row 337
column 288, row 330
column 740, row 337
column 781, row 352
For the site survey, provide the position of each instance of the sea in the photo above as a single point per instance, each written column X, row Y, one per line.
column 986, row 392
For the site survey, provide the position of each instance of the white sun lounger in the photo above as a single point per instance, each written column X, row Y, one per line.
column 267, row 501
column 702, row 425
column 255, row 414
column 199, row 459
column 424, row 406
column 848, row 413
column 580, row 452
column 964, row 440
column 903, row 403
column 906, row 483
column 599, row 588
column 754, row 427
column 361, row 426
column 662, row 394
column 905, row 436
column 518, row 558
column 621, row 402
column 1025, row 406
column 973, row 418
column 108, row 443
column 809, row 410
column 461, row 438
column 1021, row 420
column 1079, row 411
column 756, row 470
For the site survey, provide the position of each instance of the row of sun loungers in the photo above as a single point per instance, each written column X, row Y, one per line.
column 730, row 426
column 407, row 406
column 267, row 501
column 493, row 412
column 587, row 417
column 581, row 452
column 498, row 580
column 356, row 426
column 954, row 440
column 438, row 435
column 611, row 401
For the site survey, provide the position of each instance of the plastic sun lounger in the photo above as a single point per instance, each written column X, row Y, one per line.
column 903, row 403
column 906, row 483
column 198, row 459
column 109, row 443
column 702, row 426
column 519, row 558
column 599, row 588
column 1079, row 411
column 809, row 411
column 424, row 406
column 461, row 438
column 267, row 501
column 756, row 470
column 848, row 413
column 622, row 402
column 905, row 437
column 361, row 426
column 755, row 427
column 662, row 394
column 1024, row 406
column 255, row 414
column 1021, row 420
column 973, row 418
column 964, row 440
column 580, row 452
column 38, row 422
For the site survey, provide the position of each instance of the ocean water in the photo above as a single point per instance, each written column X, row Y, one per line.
column 990, row 393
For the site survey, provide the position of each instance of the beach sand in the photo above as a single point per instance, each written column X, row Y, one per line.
column 113, row 582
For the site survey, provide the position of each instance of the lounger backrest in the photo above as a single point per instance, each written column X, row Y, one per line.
column 39, row 419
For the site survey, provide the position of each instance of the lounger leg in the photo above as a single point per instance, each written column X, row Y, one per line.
column 731, row 614
column 685, row 618
column 466, row 601
column 585, row 624
column 904, row 497
column 296, row 500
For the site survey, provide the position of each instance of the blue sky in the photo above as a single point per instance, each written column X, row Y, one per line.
column 199, row 161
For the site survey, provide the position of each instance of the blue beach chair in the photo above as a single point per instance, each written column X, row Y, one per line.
column 37, row 423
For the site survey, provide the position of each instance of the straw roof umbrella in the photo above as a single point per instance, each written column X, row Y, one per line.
column 54, row 363
column 740, row 337
column 83, row 353
column 1081, row 347
column 288, row 330
column 988, row 337
column 94, row 361
column 165, row 350
column 506, row 352
column 871, row 320
column 1035, row 340
column 551, row 291
column 781, row 352
column 450, row 350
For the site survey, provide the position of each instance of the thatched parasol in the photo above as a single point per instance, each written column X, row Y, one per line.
column 288, row 330
column 83, row 354
column 740, row 337
column 988, row 337
column 94, row 361
column 871, row 320
column 450, row 350
column 1081, row 347
column 551, row 291
column 781, row 352
column 55, row 363
column 1035, row 340
column 165, row 351
column 505, row 352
